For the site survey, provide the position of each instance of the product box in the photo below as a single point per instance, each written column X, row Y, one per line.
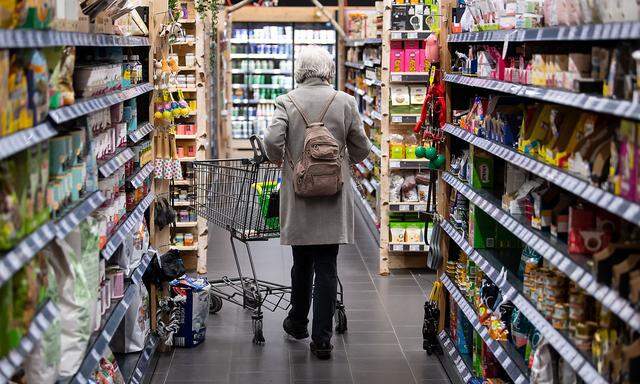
column 482, row 229
column 628, row 163
column 400, row 99
column 399, row 17
column 417, row 96
column 482, row 172
column 397, row 57
column 412, row 62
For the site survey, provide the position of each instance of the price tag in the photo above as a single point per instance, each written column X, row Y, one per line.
column 412, row 35
column 396, row 119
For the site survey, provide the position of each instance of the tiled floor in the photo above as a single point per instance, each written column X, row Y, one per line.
column 383, row 343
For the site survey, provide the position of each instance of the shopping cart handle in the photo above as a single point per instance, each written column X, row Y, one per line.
column 259, row 154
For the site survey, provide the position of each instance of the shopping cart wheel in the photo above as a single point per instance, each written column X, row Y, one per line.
column 341, row 319
column 215, row 304
column 258, row 336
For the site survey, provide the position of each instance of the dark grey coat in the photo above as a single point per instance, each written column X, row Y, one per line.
column 317, row 220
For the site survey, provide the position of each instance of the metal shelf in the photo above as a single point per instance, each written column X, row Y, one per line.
column 21, row 140
column 185, row 248
column 450, row 352
column 353, row 65
column 408, row 207
column 409, row 164
column 138, row 179
column 370, row 217
column 142, row 131
column 100, row 341
column 617, row 205
column 78, row 214
column 261, row 101
column 376, row 115
column 368, row 99
column 626, row 30
column 367, row 120
column 11, row 363
column 272, row 56
column 361, row 42
column 25, row 250
column 186, row 224
column 260, row 71
column 499, row 351
column 371, row 63
column 116, row 162
column 87, row 106
column 552, row 250
column 139, row 371
column 127, row 227
column 30, row 38
column 406, row 247
column 261, row 41
column 408, row 77
column 373, row 82
column 599, row 104
column 376, row 151
column 355, row 89
column 569, row 352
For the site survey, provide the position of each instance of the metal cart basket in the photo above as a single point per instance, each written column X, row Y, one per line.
column 242, row 197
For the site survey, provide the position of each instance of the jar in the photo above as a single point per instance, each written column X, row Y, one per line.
column 180, row 238
column 190, row 59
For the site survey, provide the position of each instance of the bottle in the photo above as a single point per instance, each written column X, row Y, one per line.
column 126, row 72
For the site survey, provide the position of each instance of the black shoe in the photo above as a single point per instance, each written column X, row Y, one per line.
column 321, row 350
column 294, row 331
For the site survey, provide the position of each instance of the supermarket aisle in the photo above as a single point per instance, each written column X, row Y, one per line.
column 383, row 344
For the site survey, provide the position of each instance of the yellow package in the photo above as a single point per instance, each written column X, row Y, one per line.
column 5, row 108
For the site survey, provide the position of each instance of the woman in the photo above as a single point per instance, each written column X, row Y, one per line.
column 314, row 226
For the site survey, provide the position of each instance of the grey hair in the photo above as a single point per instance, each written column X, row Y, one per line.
column 313, row 61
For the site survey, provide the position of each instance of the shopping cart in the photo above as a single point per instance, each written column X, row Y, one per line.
column 242, row 196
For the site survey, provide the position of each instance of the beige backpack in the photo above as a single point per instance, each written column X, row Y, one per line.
column 318, row 172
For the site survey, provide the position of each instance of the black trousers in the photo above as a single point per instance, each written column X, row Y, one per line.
column 321, row 261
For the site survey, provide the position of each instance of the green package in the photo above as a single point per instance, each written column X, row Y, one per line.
column 482, row 172
column 6, row 303
column 482, row 229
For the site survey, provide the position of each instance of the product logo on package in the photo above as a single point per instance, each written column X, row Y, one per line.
column 484, row 173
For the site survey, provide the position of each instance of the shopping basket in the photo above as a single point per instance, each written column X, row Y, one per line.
column 242, row 196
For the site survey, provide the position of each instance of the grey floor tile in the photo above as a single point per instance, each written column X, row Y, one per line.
column 380, row 364
column 305, row 357
column 190, row 373
column 381, row 350
column 329, row 370
column 429, row 372
column 370, row 377
column 361, row 326
column 270, row 377
column 411, row 344
column 355, row 338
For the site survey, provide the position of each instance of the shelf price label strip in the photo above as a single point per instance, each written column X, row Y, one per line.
column 418, row 35
column 617, row 205
column 10, row 364
column 354, row 65
column 399, row 207
column 21, row 140
column 141, row 132
column 25, row 38
column 557, row 340
column 21, row 254
column 143, row 362
column 409, row 247
column 620, row 108
column 548, row 248
column 496, row 348
column 141, row 176
column 99, row 346
column 78, row 214
column 609, row 31
column 126, row 227
column 450, row 349
column 115, row 163
column 85, row 107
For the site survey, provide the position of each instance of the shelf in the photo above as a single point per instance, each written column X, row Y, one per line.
column 272, row 56
column 186, row 21
column 408, row 164
column 137, row 373
column 87, row 106
column 142, row 131
column 404, row 119
column 373, row 82
column 260, row 71
column 21, row 140
column 126, row 227
column 560, row 343
column 408, row 207
column 376, row 115
column 355, row 89
column 353, row 65
column 182, row 182
column 186, row 137
column 78, row 214
column 315, row 42
column 376, row 151
column 502, row 355
column 367, row 120
column 11, row 363
column 361, row 42
column 187, row 159
column 138, row 179
column 462, row 369
column 552, row 250
column 368, row 99
column 592, row 103
column 370, row 217
column 29, row 38
column 186, row 224
column 261, row 101
column 181, row 204
column 138, row 273
column 617, row 205
column 189, row 89
column 626, row 30
column 116, row 162
column 187, row 69
column 12, row 261
column 408, row 77
column 99, row 342
column 261, row 41
column 185, row 248
column 268, row 86
column 408, row 247
column 409, row 35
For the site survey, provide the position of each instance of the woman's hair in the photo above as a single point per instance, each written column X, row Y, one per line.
column 313, row 61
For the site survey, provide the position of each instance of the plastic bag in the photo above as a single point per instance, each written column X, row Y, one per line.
column 542, row 367
column 135, row 327
column 423, row 193
column 414, row 232
column 134, row 247
column 194, row 310
column 396, row 188
column 398, row 232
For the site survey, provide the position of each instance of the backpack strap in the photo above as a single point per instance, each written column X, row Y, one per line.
column 322, row 114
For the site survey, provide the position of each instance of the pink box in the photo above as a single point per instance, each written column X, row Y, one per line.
column 412, row 62
column 397, row 57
